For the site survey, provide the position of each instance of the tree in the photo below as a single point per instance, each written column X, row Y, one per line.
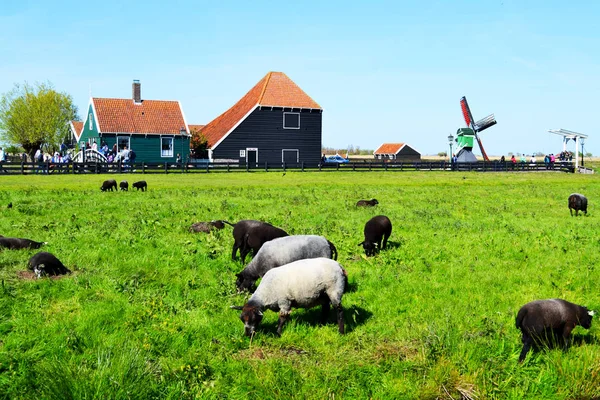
column 36, row 116
column 199, row 144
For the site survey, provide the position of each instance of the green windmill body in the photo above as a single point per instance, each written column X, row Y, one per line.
column 466, row 137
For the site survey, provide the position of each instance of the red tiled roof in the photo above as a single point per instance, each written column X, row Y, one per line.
column 148, row 117
column 77, row 127
column 275, row 89
column 389, row 148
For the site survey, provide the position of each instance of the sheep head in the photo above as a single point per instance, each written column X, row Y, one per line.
column 251, row 317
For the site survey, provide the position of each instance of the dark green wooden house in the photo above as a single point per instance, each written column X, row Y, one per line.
column 155, row 129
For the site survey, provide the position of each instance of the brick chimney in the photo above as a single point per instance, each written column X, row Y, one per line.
column 136, row 90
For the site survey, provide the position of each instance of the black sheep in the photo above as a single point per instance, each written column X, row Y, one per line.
column 377, row 229
column 124, row 185
column 367, row 203
column 17, row 243
column 553, row 319
column 577, row 202
column 249, row 235
column 43, row 264
column 108, row 185
column 140, row 185
column 207, row 227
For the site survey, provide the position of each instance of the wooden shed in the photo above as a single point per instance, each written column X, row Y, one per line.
column 396, row 151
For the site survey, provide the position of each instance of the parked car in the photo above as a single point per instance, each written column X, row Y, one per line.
column 337, row 159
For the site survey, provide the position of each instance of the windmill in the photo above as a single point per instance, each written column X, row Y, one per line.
column 465, row 136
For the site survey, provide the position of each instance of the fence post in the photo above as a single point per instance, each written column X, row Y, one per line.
column 302, row 166
column 119, row 166
column 22, row 167
column 227, row 166
column 320, row 165
column 247, row 167
column 266, row 170
column 284, row 166
column 143, row 167
column 166, row 167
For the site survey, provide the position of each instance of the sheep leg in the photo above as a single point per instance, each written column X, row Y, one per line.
column 527, row 341
column 566, row 334
column 385, row 239
column 571, row 211
column 234, row 251
column 325, row 312
column 340, row 316
column 283, row 316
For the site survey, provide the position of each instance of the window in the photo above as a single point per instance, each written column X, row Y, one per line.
column 166, row 147
column 291, row 120
column 122, row 142
column 91, row 121
column 242, row 153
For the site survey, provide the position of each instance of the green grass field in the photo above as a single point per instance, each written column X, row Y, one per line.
column 146, row 315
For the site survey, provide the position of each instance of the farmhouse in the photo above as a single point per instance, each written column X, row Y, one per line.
column 274, row 122
column 76, row 128
column 396, row 151
column 155, row 129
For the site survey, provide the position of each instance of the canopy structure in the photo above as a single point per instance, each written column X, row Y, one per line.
column 568, row 135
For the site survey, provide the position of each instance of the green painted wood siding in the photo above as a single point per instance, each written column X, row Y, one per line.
column 90, row 130
column 148, row 148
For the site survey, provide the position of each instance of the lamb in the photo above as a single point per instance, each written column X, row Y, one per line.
column 207, row 227
column 108, row 185
column 550, row 319
column 43, row 264
column 376, row 229
column 18, row 243
column 300, row 284
column 124, row 185
column 367, row 203
column 281, row 251
column 249, row 235
column 140, row 185
column 577, row 202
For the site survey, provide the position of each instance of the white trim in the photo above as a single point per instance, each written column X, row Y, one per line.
column 248, row 149
column 74, row 131
column 234, row 127
column 128, row 141
column 172, row 145
column 95, row 116
column 297, row 154
column 283, row 122
column 185, row 124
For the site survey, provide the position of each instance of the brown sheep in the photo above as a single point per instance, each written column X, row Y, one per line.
column 367, row 203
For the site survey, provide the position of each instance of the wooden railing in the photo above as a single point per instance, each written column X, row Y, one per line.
column 206, row 167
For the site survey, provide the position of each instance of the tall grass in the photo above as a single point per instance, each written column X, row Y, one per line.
column 146, row 312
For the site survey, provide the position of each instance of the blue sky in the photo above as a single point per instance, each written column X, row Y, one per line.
column 382, row 71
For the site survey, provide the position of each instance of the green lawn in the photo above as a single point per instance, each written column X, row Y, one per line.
column 146, row 312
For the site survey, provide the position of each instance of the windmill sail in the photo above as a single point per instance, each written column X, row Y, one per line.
column 466, row 112
column 485, row 123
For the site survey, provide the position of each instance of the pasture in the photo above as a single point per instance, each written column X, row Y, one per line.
column 145, row 314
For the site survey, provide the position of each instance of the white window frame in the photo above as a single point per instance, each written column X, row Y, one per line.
column 242, row 153
column 128, row 142
column 287, row 127
column 297, row 154
column 251, row 149
column 91, row 119
column 172, row 146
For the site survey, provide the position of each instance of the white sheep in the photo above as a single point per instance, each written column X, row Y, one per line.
column 300, row 284
column 281, row 251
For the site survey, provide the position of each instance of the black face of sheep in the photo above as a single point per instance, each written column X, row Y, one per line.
column 550, row 322
column 367, row 203
column 244, row 282
column 46, row 264
column 251, row 317
column 369, row 247
column 578, row 202
column 124, row 185
column 108, row 185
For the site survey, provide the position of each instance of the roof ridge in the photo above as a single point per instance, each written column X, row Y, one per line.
column 262, row 93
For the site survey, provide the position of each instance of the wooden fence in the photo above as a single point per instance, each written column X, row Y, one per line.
column 24, row 168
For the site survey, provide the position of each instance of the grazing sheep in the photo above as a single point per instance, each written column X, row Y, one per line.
column 301, row 284
column 281, row 251
column 140, row 185
column 249, row 235
column 577, row 202
column 207, row 227
column 108, row 185
column 17, row 243
column 376, row 229
column 44, row 264
column 553, row 319
column 367, row 203
column 124, row 185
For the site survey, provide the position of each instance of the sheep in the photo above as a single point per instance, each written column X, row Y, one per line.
column 540, row 319
column 140, row 185
column 376, row 229
column 124, row 185
column 43, row 264
column 18, row 243
column 108, row 185
column 577, row 202
column 249, row 235
column 281, row 251
column 367, row 203
column 300, row 284
column 207, row 227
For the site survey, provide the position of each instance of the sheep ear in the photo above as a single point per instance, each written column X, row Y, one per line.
column 236, row 307
column 260, row 313
column 591, row 313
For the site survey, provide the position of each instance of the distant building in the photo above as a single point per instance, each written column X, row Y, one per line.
column 274, row 122
column 396, row 151
column 155, row 129
column 76, row 128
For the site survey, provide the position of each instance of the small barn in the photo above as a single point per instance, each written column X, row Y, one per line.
column 155, row 129
column 396, row 151
column 275, row 122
